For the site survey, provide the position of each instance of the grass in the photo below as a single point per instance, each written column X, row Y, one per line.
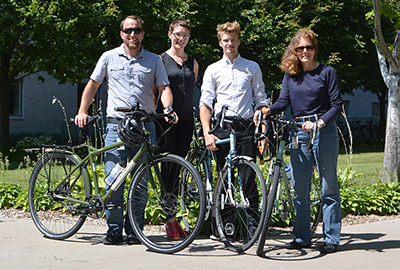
column 16, row 176
column 366, row 160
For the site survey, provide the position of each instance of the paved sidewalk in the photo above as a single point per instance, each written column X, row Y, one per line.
column 366, row 246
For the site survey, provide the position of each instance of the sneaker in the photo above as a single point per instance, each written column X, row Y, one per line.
column 328, row 248
column 296, row 245
column 132, row 239
column 113, row 239
column 214, row 238
column 170, row 227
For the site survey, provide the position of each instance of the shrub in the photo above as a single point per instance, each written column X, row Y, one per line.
column 8, row 195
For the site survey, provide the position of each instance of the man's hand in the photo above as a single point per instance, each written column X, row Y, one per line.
column 210, row 140
column 81, row 119
column 265, row 112
column 263, row 144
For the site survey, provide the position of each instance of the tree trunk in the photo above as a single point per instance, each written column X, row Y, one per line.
column 391, row 164
column 382, row 115
column 389, row 63
column 5, row 88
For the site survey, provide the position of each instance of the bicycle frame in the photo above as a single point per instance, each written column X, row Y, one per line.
column 207, row 155
column 90, row 158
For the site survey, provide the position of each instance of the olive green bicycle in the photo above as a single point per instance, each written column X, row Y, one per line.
column 64, row 190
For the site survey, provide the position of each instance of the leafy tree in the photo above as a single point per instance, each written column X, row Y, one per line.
column 343, row 32
column 60, row 37
column 389, row 63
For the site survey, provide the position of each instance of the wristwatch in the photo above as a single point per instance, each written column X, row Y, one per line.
column 321, row 123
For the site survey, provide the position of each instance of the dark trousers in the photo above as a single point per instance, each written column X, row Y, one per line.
column 175, row 141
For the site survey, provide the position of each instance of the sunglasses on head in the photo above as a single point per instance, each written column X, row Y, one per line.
column 136, row 30
column 301, row 48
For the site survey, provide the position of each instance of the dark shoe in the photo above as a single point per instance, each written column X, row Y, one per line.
column 132, row 240
column 328, row 248
column 112, row 239
column 296, row 245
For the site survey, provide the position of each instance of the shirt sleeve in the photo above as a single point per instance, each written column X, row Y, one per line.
column 333, row 87
column 161, row 73
column 207, row 90
column 100, row 71
column 283, row 101
column 259, row 95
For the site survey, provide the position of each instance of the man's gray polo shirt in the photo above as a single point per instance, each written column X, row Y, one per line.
column 129, row 80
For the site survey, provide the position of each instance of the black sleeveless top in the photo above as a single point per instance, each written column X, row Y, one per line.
column 181, row 81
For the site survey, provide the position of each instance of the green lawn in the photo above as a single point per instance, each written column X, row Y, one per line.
column 366, row 160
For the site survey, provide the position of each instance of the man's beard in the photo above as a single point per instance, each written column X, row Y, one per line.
column 134, row 45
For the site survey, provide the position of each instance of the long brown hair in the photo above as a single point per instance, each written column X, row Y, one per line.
column 290, row 63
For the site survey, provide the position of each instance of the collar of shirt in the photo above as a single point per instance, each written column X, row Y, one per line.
column 235, row 61
column 121, row 52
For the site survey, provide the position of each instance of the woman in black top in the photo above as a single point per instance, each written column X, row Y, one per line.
column 182, row 73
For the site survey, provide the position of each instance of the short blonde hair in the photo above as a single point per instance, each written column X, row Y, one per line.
column 290, row 63
column 228, row 27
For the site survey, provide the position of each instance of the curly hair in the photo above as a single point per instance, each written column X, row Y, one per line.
column 228, row 27
column 290, row 63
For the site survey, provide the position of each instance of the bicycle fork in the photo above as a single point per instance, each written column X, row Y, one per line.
column 244, row 202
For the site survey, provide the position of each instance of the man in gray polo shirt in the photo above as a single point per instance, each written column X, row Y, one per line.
column 131, row 74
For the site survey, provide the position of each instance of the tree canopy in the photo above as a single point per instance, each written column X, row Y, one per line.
column 65, row 38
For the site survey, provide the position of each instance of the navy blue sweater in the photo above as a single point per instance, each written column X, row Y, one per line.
column 312, row 92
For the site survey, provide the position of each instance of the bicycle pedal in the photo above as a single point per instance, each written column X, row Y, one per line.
column 229, row 229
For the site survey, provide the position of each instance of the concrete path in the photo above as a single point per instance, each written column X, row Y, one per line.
column 366, row 246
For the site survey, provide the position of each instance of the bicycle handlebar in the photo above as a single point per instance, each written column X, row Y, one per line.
column 137, row 111
column 222, row 118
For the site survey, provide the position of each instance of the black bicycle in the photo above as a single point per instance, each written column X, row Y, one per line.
column 280, row 195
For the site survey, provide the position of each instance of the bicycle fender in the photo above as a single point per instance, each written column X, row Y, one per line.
column 243, row 157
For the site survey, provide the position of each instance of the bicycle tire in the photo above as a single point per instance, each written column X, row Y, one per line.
column 272, row 188
column 315, row 204
column 284, row 205
column 202, row 167
column 57, row 218
column 149, row 204
column 239, row 225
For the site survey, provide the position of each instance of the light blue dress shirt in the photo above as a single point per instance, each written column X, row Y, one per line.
column 238, row 85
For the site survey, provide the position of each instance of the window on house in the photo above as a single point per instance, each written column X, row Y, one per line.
column 375, row 109
column 16, row 100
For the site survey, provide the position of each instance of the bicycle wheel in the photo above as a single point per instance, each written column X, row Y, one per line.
column 315, row 202
column 153, row 202
column 54, row 189
column 272, row 187
column 200, row 163
column 239, row 210
column 284, row 206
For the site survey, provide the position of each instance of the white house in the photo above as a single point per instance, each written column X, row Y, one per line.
column 34, row 109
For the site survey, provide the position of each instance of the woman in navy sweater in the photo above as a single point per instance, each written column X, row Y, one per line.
column 312, row 91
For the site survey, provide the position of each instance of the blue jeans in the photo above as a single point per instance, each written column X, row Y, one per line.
column 115, row 217
column 325, row 154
